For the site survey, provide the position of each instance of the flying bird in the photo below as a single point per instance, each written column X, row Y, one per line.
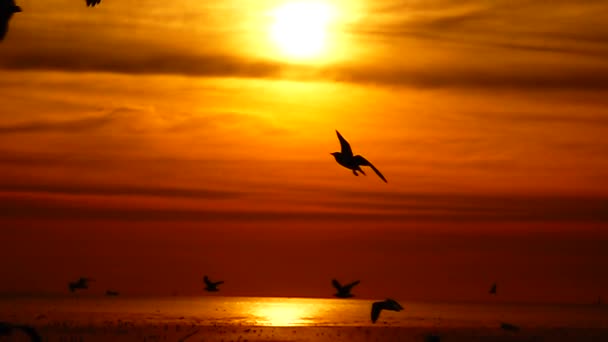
column 80, row 284
column 388, row 304
column 92, row 3
column 7, row 329
column 7, row 8
column 346, row 159
column 211, row 286
column 111, row 293
column 509, row 327
column 493, row 289
column 344, row 291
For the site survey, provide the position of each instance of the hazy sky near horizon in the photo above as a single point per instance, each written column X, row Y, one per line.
column 152, row 142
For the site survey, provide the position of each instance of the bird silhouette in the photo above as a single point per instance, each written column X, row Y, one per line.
column 92, row 3
column 346, row 159
column 493, row 289
column 111, row 293
column 509, row 327
column 7, row 8
column 344, row 291
column 211, row 286
column 80, row 284
column 7, row 329
column 388, row 304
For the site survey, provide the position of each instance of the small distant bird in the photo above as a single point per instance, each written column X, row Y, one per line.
column 111, row 293
column 80, row 284
column 509, row 327
column 92, row 3
column 7, row 8
column 344, row 291
column 7, row 329
column 211, row 286
column 346, row 159
column 493, row 289
column 432, row 338
column 388, row 304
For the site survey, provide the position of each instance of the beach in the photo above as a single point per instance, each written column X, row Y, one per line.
column 225, row 319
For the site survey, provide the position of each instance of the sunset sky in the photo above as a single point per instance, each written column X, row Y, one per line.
column 146, row 143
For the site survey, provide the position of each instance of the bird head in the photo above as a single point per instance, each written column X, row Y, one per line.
column 336, row 154
column 16, row 9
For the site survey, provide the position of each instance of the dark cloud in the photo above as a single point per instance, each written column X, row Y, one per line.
column 122, row 190
column 385, row 207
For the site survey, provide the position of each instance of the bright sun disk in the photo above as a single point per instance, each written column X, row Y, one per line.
column 300, row 28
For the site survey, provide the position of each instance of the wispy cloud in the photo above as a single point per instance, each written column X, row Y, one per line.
column 502, row 44
column 373, row 206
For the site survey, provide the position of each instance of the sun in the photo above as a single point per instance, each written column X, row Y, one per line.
column 300, row 28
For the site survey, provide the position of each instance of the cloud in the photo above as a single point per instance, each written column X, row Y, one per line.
column 67, row 126
column 118, row 190
column 376, row 207
column 468, row 44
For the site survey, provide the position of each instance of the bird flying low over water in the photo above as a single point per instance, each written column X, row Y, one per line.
column 493, row 289
column 211, row 286
column 344, row 291
column 388, row 304
column 345, row 158
column 7, row 329
column 80, row 284
column 7, row 8
column 509, row 327
column 92, row 3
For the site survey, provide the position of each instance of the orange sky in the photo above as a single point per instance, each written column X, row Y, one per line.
column 157, row 143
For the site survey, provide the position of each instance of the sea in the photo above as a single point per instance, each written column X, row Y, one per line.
column 286, row 312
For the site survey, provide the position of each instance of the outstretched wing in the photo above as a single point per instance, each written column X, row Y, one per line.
column 345, row 146
column 218, row 283
column 376, row 309
column 351, row 285
column 493, row 289
column 359, row 160
column 92, row 3
column 3, row 25
column 31, row 332
column 336, row 284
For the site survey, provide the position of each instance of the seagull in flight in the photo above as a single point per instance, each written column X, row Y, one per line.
column 211, row 286
column 92, row 3
column 344, row 291
column 7, row 8
column 346, row 159
column 388, row 304
column 80, row 284
column 493, row 289
column 7, row 329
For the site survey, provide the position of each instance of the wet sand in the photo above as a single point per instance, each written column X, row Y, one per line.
column 123, row 331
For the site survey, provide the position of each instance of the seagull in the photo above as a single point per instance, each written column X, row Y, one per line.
column 111, row 293
column 7, row 8
column 344, row 291
column 211, row 286
column 388, row 304
column 509, row 327
column 493, row 289
column 346, row 159
column 6, row 329
column 80, row 284
column 92, row 3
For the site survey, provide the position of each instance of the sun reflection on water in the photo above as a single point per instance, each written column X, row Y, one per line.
column 278, row 312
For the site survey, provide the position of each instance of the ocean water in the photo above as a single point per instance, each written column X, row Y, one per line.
column 262, row 311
